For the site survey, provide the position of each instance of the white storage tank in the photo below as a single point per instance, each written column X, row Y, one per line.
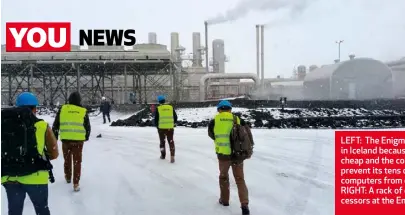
column 218, row 56
column 197, row 58
column 152, row 38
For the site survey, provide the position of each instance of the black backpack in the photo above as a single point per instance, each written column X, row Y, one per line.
column 19, row 154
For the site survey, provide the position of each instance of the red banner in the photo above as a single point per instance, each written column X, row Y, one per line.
column 370, row 172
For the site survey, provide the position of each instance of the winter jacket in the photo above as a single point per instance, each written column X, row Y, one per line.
column 105, row 107
column 74, row 99
column 156, row 120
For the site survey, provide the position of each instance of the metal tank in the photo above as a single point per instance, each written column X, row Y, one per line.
column 152, row 38
column 174, row 44
column 302, row 72
column 218, row 56
column 197, row 58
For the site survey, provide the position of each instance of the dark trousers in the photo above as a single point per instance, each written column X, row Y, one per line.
column 238, row 173
column 163, row 135
column 72, row 149
column 106, row 114
column 16, row 194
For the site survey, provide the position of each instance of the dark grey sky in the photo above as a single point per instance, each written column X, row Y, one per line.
column 370, row 28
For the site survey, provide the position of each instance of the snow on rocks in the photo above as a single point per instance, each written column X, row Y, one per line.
column 282, row 118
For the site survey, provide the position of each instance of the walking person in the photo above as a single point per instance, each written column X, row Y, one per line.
column 165, row 118
column 73, row 124
column 219, row 130
column 105, row 108
column 28, row 172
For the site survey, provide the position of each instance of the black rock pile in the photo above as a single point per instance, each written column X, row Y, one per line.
column 290, row 118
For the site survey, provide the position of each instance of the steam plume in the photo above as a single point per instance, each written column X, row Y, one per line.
column 246, row 6
column 296, row 9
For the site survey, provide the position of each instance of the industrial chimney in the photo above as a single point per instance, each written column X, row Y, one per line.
column 258, row 50
column 206, row 47
column 262, row 48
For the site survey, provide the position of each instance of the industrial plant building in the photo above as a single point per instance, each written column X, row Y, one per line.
column 139, row 74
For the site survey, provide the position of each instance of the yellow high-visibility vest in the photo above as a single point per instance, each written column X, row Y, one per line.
column 40, row 177
column 222, row 131
column 166, row 118
column 71, row 122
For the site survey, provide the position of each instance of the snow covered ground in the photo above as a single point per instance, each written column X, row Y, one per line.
column 291, row 173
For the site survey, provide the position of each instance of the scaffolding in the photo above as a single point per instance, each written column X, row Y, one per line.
column 53, row 80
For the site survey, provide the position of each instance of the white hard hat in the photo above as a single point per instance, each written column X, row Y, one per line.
column 103, row 98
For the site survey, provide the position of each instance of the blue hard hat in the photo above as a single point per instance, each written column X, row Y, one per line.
column 26, row 99
column 224, row 103
column 161, row 98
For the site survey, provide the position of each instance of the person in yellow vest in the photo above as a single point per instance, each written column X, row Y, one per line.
column 73, row 124
column 219, row 130
column 165, row 118
column 18, row 177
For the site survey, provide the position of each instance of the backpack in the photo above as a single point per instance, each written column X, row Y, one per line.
column 242, row 141
column 19, row 154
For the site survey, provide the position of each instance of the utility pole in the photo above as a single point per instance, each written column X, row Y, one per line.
column 339, row 42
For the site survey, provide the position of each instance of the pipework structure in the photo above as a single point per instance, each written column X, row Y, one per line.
column 113, row 73
column 124, row 75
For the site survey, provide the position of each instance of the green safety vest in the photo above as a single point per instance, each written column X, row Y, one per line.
column 166, row 119
column 40, row 177
column 71, row 122
column 222, row 131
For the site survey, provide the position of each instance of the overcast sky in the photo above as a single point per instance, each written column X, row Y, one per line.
column 303, row 33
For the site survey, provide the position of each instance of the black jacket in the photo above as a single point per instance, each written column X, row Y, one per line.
column 156, row 120
column 105, row 107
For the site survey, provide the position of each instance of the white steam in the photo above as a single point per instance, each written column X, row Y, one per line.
column 246, row 6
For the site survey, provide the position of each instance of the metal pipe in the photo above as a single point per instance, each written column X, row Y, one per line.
column 258, row 50
column 96, row 61
column 206, row 47
column 224, row 76
column 262, row 47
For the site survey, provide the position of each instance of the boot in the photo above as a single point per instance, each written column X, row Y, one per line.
column 68, row 181
column 223, row 203
column 171, row 159
column 245, row 210
column 76, row 188
column 162, row 156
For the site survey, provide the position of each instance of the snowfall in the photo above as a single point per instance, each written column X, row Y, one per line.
column 290, row 173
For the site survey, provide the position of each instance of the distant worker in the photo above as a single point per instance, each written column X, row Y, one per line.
column 165, row 118
column 27, row 145
column 105, row 108
column 219, row 130
column 72, row 121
